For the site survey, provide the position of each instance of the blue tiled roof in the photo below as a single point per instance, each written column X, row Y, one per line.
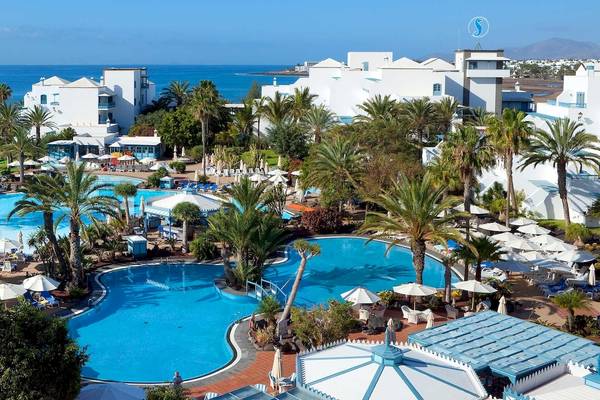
column 505, row 345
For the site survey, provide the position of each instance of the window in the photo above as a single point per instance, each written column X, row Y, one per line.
column 365, row 66
column 43, row 99
column 473, row 65
column 590, row 67
column 580, row 99
column 437, row 89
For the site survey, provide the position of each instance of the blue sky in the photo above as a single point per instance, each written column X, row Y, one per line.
column 270, row 31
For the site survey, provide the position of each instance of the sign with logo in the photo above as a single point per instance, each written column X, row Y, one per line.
column 478, row 27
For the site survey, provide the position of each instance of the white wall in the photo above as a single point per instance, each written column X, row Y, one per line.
column 79, row 105
column 126, row 85
column 374, row 59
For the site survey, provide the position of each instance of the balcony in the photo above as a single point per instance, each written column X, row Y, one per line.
column 488, row 73
column 566, row 104
column 106, row 105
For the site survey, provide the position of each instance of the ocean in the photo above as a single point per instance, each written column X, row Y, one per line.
column 233, row 81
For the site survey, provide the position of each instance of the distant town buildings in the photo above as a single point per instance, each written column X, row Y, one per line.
column 474, row 80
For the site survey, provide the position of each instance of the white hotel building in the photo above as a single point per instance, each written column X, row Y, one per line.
column 98, row 111
column 474, row 80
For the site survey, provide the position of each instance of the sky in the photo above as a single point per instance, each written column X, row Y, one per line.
column 272, row 31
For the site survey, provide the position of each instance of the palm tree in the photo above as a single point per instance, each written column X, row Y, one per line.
column 318, row 119
column 187, row 213
column 509, row 135
column 306, row 250
column 20, row 146
column 205, row 103
column 471, row 153
column 126, row 190
column 39, row 118
column 479, row 117
column 80, row 194
column 420, row 114
column 565, row 142
column 10, row 119
column 39, row 196
column 443, row 174
column 377, row 108
column 572, row 301
column 277, row 108
column 337, row 164
column 244, row 119
column 481, row 249
column 269, row 237
column 176, row 92
column 412, row 208
column 301, row 102
column 445, row 112
column 5, row 92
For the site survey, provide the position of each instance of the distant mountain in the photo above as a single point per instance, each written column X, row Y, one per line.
column 555, row 48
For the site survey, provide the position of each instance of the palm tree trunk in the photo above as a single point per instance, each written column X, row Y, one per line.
column 561, row 169
column 38, row 134
column 418, row 250
column 127, row 211
column 204, row 123
column 478, row 271
column 317, row 136
column 570, row 318
column 75, row 256
column 21, row 167
column 60, row 257
column 185, row 240
column 466, row 271
column 511, row 185
column 292, row 297
column 467, row 200
column 227, row 270
column 447, row 282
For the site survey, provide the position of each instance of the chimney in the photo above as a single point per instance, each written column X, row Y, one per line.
column 274, row 81
column 517, row 86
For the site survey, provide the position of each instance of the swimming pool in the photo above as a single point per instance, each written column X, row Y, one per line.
column 158, row 319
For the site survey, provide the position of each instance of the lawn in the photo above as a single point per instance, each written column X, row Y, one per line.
column 560, row 224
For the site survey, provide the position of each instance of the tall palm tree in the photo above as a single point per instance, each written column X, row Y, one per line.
column 5, row 92
column 318, row 119
column 571, row 301
column 306, row 250
column 125, row 190
column 10, row 119
column 176, row 92
column 420, row 114
column 509, row 135
column 481, row 249
column 39, row 118
column 565, row 142
column 378, row 108
column 80, row 194
column 20, row 146
column 444, row 174
column 277, row 108
column 259, row 110
column 39, row 196
column 411, row 208
column 205, row 104
column 187, row 213
column 301, row 101
column 445, row 111
column 471, row 153
column 244, row 119
column 478, row 117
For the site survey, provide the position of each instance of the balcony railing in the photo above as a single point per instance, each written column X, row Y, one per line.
column 566, row 104
column 106, row 106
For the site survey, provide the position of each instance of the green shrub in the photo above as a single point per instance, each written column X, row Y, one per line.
column 195, row 153
column 170, row 392
column 575, row 232
column 323, row 325
column 77, row 292
column 203, row 248
column 387, row 297
column 322, row 220
column 269, row 307
column 154, row 179
column 178, row 166
column 203, row 179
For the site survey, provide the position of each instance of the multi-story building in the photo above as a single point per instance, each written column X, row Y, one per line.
column 474, row 79
column 99, row 112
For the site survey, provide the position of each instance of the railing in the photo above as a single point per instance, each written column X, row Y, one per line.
column 106, row 106
column 264, row 289
column 567, row 104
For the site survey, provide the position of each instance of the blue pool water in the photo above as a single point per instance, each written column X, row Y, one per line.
column 159, row 319
column 30, row 223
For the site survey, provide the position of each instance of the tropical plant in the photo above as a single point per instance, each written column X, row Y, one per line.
column 322, row 220
column 39, row 118
column 10, row 120
column 125, row 190
column 39, row 196
column 244, row 119
column 269, row 307
column 205, row 103
column 480, row 249
column 43, row 360
column 187, row 213
column 318, row 120
column 571, row 301
column 169, row 392
column 80, row 193
column 565, row 142
column 494, row 199
column 289, row 139
column 306, row 250
column 420, row 114
column 377, row 108
column 322, row 325
column 509, row 135
column 178, row 166
column 477, row 117
column 443, row 174
column 577, row 233
column 276, row 109
column 445, row 112
column 20, row 146
column 300, row 102
column 203, row 248
column 5, row 92
column 412, row 208
column 176, row 92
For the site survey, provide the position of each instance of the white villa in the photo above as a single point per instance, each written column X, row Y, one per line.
column 99, row 112
column 474, row 80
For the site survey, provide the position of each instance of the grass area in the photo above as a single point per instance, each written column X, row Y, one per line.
column 560, row 224
column 268, row 155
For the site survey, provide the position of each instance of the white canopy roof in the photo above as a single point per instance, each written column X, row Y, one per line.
column 576, row 256
column 559, row 246
column 523, row 244
column 40, row 283
column 494, row 227
column 521, row 221
column 257, row 178
column 533, row 229
column 474, row 286
column 504, row 237
column 360, row 295
column 376, row 371
column 8, row 245
column 31, row 163
column 105, row 157
column 545, row 239
column 475, row 210
column 11, row 291
column 89, row 156
column 204, row 203
column 46, row 159
column 414, row 289
column 111, row 391
column 126, row 158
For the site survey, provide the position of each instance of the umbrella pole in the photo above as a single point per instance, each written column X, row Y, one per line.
column 473, row 301
column 415, row 303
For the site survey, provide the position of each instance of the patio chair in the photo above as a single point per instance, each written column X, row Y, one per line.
column 410, row 315
column 261, row 387
column 579, row 280
column 32, row 301
column 422, row 315
column 483, row 306
column 51, row 300
column 451, row 312
column 210, row 395
column 288, row 381
column 363, row 315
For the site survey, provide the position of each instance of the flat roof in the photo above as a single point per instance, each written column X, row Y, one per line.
column 566, row 387
column 507, row 346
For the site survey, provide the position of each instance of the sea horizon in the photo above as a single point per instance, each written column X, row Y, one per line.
column 232, row 80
